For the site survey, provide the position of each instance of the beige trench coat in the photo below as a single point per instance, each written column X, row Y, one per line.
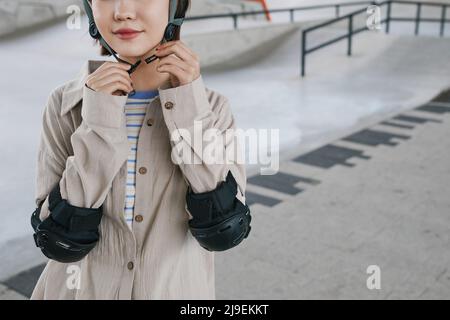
column 84, row 147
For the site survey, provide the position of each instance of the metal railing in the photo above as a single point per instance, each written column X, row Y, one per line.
column 292, row 11
column 352, row 31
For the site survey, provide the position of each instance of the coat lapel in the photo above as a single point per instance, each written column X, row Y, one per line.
column 73, row 91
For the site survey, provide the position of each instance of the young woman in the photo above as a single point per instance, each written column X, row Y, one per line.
column 107, row 140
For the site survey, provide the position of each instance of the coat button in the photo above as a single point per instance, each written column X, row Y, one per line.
column 130, row 265
column 150, row 122
column 139, row 218
column 142, row 170
column 168, row 105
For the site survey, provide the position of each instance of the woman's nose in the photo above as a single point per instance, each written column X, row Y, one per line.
column 125, row 10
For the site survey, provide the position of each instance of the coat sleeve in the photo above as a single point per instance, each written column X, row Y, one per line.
column 100, row 147
column 192, row 111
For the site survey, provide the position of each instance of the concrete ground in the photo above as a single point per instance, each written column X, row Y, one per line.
column 377, row 196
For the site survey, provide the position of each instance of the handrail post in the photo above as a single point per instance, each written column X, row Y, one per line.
column 443, row 17
column 303, row 58
column 419, row 7
column 388, row 14
column 350, row 34
column 337, row 10
column 291, row 12
column 235, row 21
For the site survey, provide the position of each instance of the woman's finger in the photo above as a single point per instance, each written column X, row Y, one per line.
column 178, row 62
column 98, row 78
column 113, row 70
column 111, row 76
column 183, row 47
column 96, row 83
column 109, row 64
column 176, row 71
column 112, row 87
column 189, row 50
column 177, row 50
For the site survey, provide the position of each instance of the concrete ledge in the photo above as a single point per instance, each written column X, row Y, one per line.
column 234, row 48
column 205, row 7
column 19, row 14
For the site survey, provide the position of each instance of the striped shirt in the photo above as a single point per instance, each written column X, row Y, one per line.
column 135, row 110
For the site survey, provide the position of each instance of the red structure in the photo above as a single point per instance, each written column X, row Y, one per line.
column 265, row 7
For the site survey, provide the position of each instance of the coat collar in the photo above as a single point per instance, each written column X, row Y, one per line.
column 73, row 90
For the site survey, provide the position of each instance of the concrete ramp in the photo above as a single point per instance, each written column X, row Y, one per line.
column 238, row 48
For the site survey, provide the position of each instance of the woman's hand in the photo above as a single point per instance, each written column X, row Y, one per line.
column 179, row 61
column 112, row 78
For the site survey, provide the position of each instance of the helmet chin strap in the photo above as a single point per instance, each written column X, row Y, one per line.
column 169, row 33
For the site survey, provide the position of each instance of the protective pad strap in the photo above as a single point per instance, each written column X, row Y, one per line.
column 208, row 205
column 72, row 217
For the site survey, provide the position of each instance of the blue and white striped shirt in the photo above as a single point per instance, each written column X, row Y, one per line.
column 135, row 110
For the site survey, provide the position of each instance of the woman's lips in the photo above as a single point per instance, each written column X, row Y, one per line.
column 127, row 34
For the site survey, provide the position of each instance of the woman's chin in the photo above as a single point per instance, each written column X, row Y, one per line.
column 132, row 55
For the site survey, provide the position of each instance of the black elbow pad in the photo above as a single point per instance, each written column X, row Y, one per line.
column 220, row 221
column 69, row 232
